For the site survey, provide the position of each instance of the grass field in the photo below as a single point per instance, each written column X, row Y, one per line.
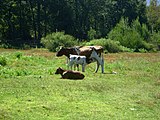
column 29, row 89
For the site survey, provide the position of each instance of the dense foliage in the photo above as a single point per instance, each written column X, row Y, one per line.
column 134, row 36
column 109, row 45
column 25, row 22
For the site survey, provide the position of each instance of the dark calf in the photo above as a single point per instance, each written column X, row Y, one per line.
column 69, row 74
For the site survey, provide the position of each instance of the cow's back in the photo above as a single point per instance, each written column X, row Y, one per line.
column 72, row 75
column 87, row 50
column 84, row 50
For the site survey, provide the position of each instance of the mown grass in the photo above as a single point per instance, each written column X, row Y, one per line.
column 29, row 89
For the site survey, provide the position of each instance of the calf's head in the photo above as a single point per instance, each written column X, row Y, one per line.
column 59, row 71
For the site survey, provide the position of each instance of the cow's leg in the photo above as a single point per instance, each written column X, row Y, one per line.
column 83, row 67
column 97, row 67
column 68, row 67
column 102, row 65
column 67, row 60
column 67, row 63
column 71, row 64
column 77, row 67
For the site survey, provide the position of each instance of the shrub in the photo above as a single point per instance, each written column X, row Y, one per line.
column 26, row 47
column 18, row 55
column 5, row 45
column 101, row 42
column 145, row 45
column 54, row 40
column 108, row 45
column 112, row 46
column 125, row 49
column 142, row 50
column 3, row 61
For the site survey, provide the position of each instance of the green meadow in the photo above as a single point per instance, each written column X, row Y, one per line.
column 29, row 90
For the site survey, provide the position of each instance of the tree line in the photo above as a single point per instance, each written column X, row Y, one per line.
column 27, row 21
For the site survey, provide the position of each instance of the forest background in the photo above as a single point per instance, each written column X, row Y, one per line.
column 130, row 25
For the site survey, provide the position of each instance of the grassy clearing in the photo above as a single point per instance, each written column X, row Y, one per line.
column 29, row 89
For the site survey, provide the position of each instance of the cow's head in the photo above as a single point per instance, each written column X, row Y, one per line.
column 66, row 51
column 61, row 52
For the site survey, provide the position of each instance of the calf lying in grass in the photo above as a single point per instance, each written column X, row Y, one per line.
column 69, row 74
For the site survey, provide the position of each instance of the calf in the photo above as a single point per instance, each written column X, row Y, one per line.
column 69, row 74
column 77, row 59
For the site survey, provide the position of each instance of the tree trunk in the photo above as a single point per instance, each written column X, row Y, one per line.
column 38, row 21
column 33, row 21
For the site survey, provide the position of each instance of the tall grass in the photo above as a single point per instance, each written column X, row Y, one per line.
column 3, row 61
column 29, row 89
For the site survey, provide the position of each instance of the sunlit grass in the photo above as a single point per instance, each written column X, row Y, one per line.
column 29, row 89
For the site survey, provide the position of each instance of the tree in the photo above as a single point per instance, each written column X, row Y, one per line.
column 26, row 21
column 133, row 36
column 153, row 15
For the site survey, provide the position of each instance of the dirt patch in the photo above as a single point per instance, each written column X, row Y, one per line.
column 152, row 57
column 111, row 57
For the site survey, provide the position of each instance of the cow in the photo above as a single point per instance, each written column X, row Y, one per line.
column 77, row 59
column 69, row 74
column 82, row 50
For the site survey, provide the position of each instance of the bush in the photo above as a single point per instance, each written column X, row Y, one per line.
column 112, row 46
column 142, row 50
column 3, row 61
column 54, row 40
column 18, row 55
column 145, row 45
column 108, row 45
column 6, row 46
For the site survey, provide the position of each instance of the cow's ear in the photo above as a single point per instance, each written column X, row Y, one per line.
column 92, row 48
